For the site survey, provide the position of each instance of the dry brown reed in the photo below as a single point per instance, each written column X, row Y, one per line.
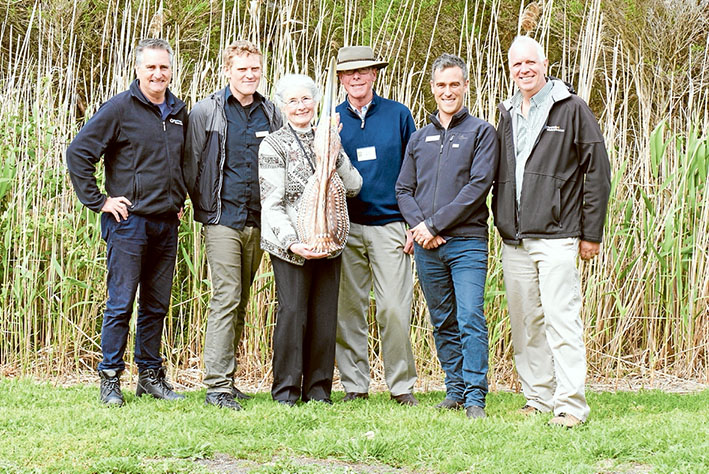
column 646, row 296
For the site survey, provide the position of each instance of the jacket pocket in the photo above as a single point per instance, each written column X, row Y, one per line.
column 540, row 204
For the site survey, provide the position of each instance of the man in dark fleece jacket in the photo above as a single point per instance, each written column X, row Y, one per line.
column 549, row 201
column 442, row 189
column 374, row 134
column 140, row 134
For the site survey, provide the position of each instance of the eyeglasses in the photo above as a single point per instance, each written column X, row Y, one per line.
column 363, row 71
column 306, row 101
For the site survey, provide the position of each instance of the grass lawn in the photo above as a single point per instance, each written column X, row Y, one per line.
column 49, row 429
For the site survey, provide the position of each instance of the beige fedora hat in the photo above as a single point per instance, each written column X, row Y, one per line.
column 356, row 57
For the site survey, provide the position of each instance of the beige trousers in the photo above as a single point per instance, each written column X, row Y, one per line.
column 544, row 299
column 374, row 257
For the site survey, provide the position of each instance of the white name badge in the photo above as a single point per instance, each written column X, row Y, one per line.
column 261, row 134
column 433, row 138
column 456, row 145
column 366, row 154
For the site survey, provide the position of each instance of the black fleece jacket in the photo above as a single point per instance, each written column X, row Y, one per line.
column 142, row 154
column 447, row 174
column 566, row 177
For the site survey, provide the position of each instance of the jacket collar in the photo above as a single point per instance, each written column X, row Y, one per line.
column 226, row 93
column 560, row 90
column 457, row 118
column 173, row 102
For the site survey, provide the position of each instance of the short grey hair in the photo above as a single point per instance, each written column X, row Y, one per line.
column 294, row 81
column 151, row 43
column 445, row 61
column 528, row 40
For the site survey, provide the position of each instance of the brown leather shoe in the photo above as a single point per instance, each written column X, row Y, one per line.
column 529, row 410
column 407, row 399
column 349, row 396
column 565, row 420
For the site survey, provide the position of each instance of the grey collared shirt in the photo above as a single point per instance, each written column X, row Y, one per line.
column 527, row 129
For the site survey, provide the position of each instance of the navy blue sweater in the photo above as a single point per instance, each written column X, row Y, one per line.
column 387, row 127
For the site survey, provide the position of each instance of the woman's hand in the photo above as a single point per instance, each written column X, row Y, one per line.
column 306, row 251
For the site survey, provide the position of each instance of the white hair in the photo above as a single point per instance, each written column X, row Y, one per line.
column 290, row 82
column 528, row 40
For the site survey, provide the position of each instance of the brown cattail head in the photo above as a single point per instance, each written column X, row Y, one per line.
column 530, row 16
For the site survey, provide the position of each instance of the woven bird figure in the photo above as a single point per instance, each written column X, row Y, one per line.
column 323, row 222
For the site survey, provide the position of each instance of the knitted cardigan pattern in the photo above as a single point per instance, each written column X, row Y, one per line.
column 284, row 170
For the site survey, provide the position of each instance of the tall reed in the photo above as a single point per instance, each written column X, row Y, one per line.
column 646, row 296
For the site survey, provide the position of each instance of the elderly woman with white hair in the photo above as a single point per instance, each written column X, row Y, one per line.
column 307, row 282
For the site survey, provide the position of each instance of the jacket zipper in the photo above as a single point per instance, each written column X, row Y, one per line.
column 438, row 171
column 222, row 159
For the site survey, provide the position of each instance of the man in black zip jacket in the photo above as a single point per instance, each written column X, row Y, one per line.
column 221, row 174
column 442, row 190
column 140, row 134
column 549, row 202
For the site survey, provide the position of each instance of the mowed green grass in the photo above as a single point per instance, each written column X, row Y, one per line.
column 49, row 429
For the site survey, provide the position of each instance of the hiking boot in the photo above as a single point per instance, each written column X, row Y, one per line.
column 565, row 420
column 111, row 393
column 406, row 399
column 349, row 396
column 475, row 412
column 238, row 394
column 222, row 400
column 529, row 410
column 153, row 382
column 449, row 404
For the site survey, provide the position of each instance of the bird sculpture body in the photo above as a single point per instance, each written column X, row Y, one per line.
column 323, row 222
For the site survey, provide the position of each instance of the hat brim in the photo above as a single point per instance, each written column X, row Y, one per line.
column 351, row 65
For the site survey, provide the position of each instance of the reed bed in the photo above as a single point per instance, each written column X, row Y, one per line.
column 646, row 296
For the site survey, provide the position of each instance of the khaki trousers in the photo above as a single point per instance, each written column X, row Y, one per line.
column 544, row 298
column 234, row 257
column 374, row 257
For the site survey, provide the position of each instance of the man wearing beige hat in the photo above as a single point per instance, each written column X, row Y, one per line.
column 374, row 134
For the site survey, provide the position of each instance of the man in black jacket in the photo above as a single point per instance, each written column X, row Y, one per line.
column 442, row 190
column 140, row 134
column 549, row 202
column 221, row 174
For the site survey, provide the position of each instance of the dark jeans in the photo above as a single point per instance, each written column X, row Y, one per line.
column 306, row 324
column 452, row 277
column 140, row 251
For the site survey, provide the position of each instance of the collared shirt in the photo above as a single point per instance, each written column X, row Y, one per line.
column 246, row 127
column 527, row 129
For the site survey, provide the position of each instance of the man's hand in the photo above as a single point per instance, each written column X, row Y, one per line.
column 409, row 245
column 118, row 206
column 306, row 251
column 425, row 239
column 434, row 243
column 588, row 250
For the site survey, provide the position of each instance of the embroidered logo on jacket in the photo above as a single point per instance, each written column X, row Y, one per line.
column 554, row 128
column 176, row 121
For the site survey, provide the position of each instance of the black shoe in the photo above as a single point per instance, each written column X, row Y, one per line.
column 111, row 393
column 449, row 404
column 349, row 396
column 290, row 403
column 222, row 400
column 475, row 412
column 407, row 399
column 239, row 395
column 152, row 382
column 326, row 401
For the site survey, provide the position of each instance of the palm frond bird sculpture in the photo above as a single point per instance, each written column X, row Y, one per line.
column 323, row 222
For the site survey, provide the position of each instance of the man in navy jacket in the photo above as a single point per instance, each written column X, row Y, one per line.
column 374, row 134
column 140, row 134
column 442, row 190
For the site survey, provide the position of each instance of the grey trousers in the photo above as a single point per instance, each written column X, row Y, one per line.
column 544, row 299
column 234, row 257
column 374, row 257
